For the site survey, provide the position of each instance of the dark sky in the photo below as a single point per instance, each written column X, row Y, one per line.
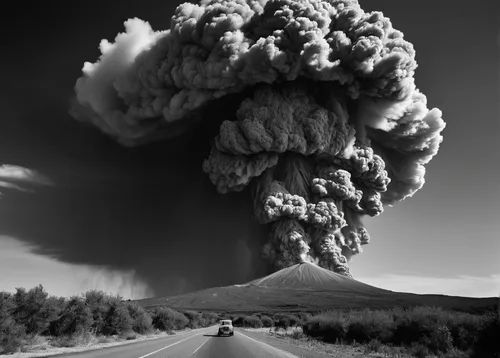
column 154, row 210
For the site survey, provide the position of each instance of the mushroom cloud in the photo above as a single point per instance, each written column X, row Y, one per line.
column 328, row 124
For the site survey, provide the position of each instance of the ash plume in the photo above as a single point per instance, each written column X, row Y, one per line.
column 329, row 125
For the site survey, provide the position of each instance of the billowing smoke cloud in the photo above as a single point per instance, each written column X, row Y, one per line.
column 20, row 178
column 329, row 125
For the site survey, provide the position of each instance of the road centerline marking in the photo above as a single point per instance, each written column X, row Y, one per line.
column 196, row 350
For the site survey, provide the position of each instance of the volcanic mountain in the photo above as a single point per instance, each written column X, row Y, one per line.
column 307, row 276
column 308, row 287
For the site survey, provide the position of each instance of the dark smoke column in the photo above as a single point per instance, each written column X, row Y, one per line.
column 332, row 126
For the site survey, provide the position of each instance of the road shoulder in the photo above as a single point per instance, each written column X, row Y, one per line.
column 300, row 350
column 56, row 351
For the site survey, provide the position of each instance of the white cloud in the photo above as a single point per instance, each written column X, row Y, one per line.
column 461, row 285
column 15, row 177
column 21, row 267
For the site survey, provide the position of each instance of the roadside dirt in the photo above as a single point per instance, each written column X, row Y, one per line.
column 43, row 348
column 305, row 348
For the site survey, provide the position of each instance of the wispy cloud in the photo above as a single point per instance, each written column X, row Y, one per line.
column 22, row 267
column 20, row 178
column 461, row 285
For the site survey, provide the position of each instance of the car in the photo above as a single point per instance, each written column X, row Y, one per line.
column 226, row 328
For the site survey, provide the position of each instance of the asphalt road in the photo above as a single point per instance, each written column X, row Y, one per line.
column 201, row 343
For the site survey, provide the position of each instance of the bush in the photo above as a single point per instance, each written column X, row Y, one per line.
column 374, row 346
column 247, row 322
column 303, row 317
column 487, row 344
column 419, row 351
column 128, row 335
column 252, row 322
column 141, row 320
column 328, row 327
column 414, row 327
column 194, row 319
column 463, row 328
column 368, row 325
column 97, row 303
column 11, row 333
column 266, row 321
column 426, row 330
column 167, row 319
column 75, row 318
column 440, row 341
column 117, row 319
column 283, row 322
column 287, row 320
column 210, row 318
column 238, row 321
column 297, row 334
column 34, row 310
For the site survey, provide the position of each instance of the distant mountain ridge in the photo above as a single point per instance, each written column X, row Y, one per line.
column 308, row 287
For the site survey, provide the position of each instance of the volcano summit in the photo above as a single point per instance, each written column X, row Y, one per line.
column 310, row 277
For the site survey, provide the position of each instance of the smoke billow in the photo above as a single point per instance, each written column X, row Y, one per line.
column 329, row 125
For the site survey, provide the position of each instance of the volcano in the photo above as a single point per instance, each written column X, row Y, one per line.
column 307, row 287
column 307, row 276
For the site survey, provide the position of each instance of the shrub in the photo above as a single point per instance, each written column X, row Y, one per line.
column 463, row 328
column 328, row 327
column 440, row 340
column 194, row 319
column 303, row 317
column 247, row 321
column 487, row 343
column 297, row 334
column 75, row 318
column 419, row 351
column 128, row 335
column 141, row 320
column 252, row 321
column 237, row 321
column 413, row 328
column 117, row 318
column 97, row 303
column 34, row 310
column 288, row 320
column 374, row 346
column 283, row 322
column 368, row 325
column 426, row 330
column 11, row 333
column 210, row 318
column 167, row 319
column 266, row 321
